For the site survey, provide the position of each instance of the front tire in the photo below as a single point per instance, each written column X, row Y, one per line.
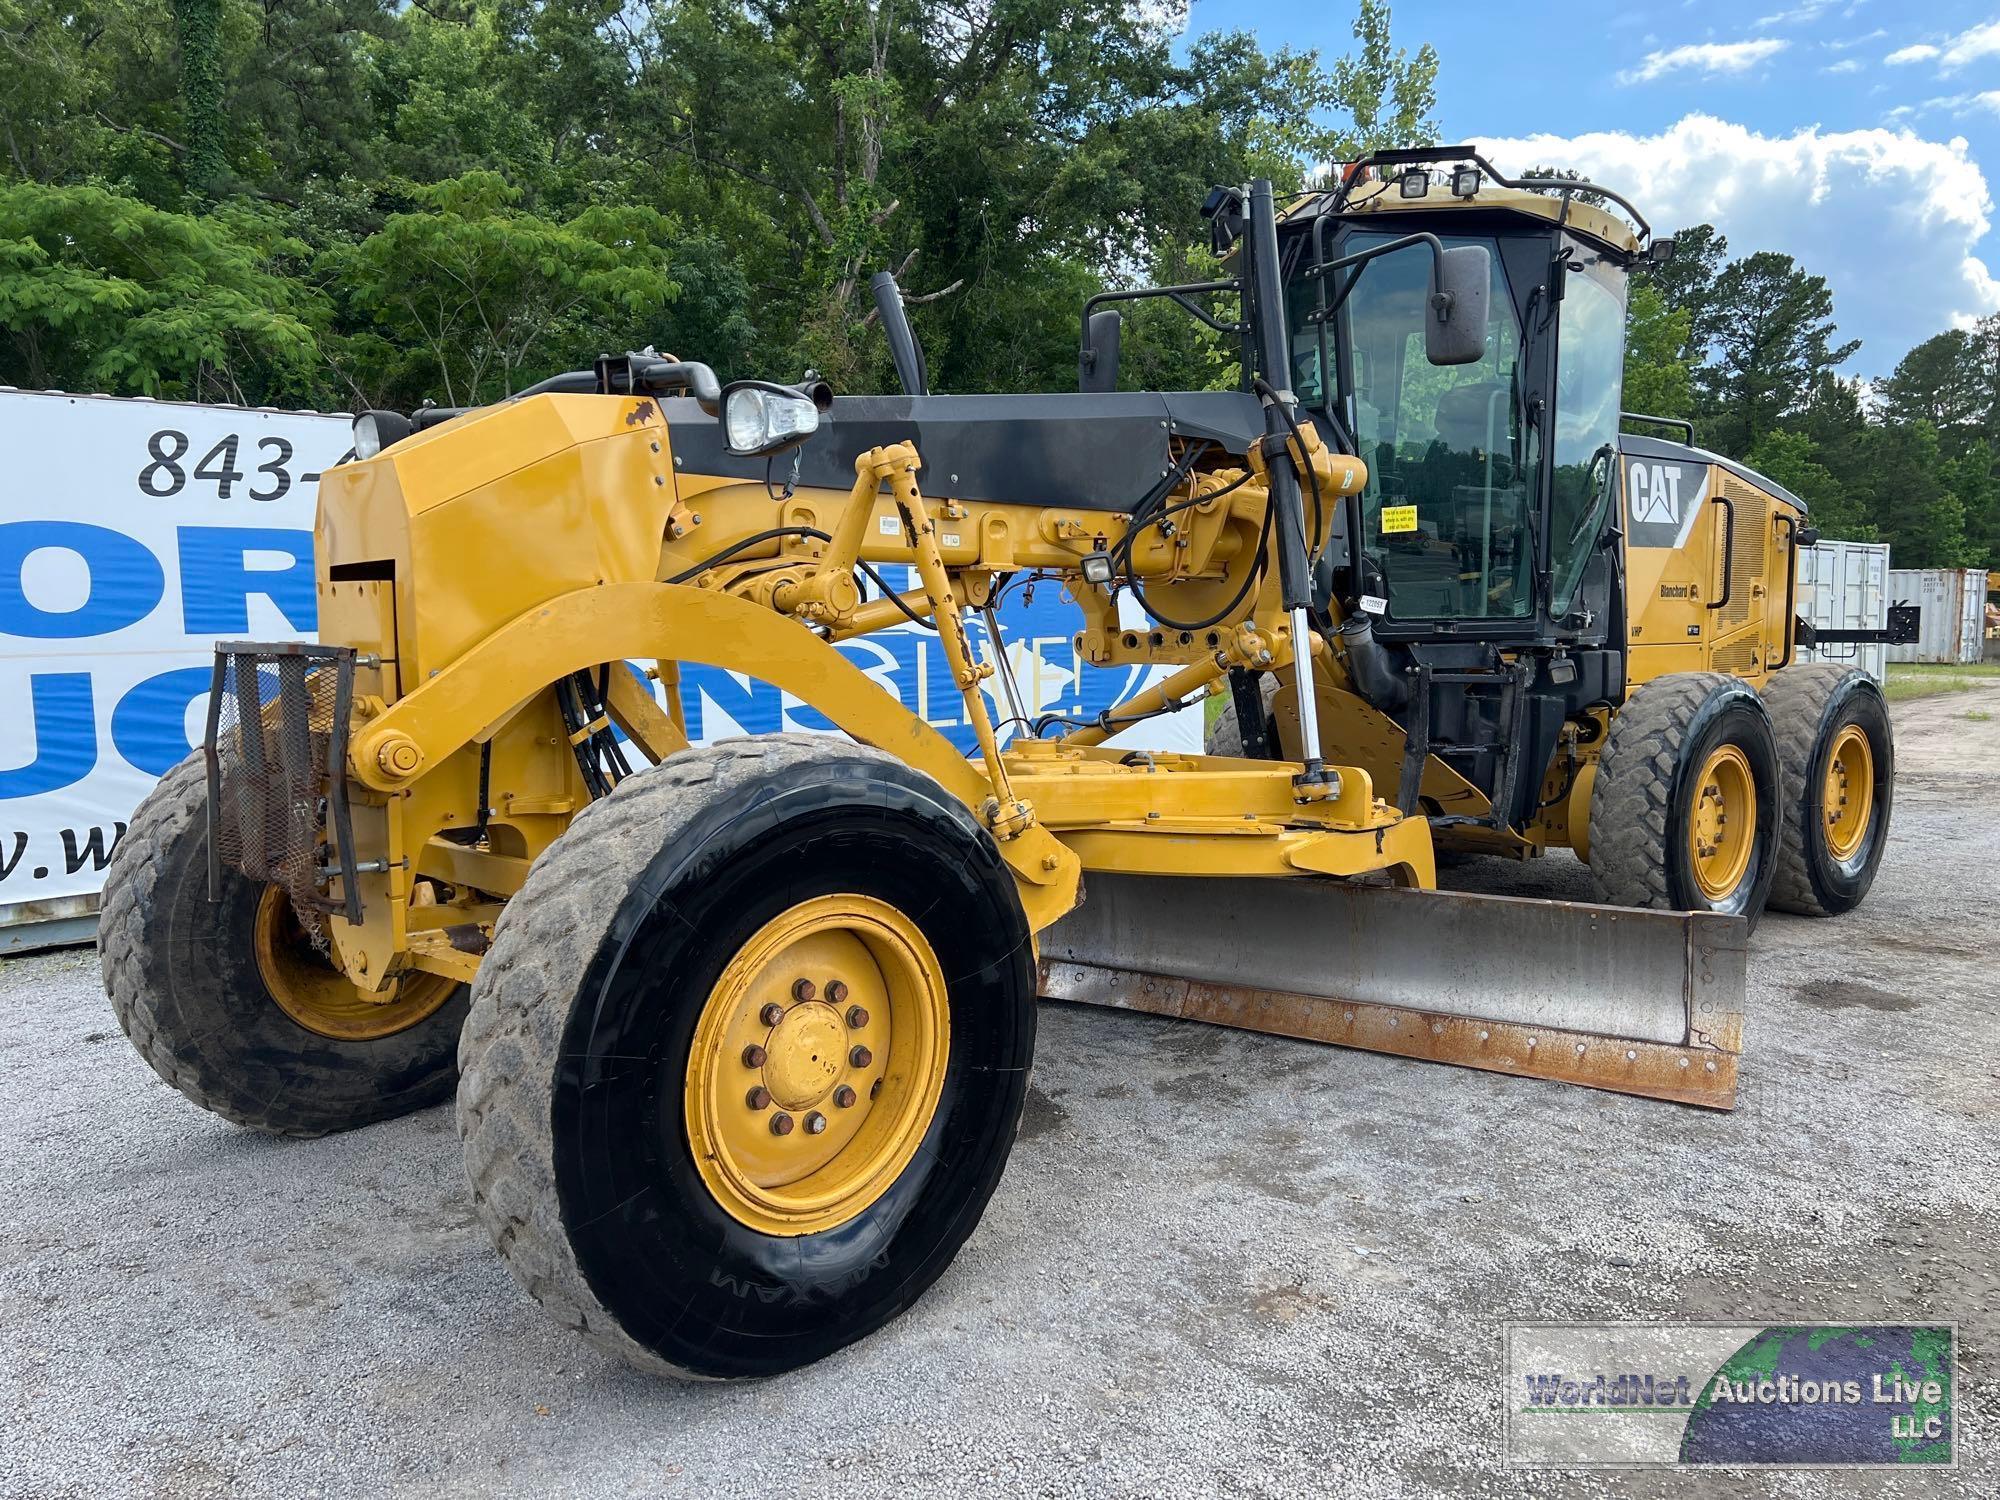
column 1838, row 759
column 230, row 1003
column 659, row 997
column 1684, row 815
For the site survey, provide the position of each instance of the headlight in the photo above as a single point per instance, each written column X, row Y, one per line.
column 758, row 417
column 376, row 430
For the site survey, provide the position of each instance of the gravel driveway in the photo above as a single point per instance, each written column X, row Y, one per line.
column 1219, row 1263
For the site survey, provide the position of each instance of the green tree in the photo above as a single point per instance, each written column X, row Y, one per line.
column 1771, row 327
column 1974, row 476
column 198, row 26
column 1685, row 283
column 1914, row 508
column 1940, row 381
column 472, row 297
column 99, row 292
column 1389, row 94
column 1791, row 459
column 1659, row 374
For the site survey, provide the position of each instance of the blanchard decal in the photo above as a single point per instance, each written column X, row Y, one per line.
column 1662, row 500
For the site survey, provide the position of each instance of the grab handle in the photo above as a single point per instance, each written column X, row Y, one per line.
column 1728, row 552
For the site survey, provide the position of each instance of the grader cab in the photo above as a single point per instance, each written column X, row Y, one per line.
column 740, row 1034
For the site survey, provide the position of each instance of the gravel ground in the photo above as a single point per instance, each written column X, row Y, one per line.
column 1218, row 1262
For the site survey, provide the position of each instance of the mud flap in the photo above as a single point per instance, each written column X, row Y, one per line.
column 1639, row 1002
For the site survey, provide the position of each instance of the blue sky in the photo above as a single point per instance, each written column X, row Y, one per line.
column 1860, row 136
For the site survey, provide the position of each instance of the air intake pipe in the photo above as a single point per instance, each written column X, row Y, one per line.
column 1371, row 666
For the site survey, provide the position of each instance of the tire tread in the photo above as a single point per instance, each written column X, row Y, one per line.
column 508, row 1052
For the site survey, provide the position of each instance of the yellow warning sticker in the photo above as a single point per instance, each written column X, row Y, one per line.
column 1399, row 518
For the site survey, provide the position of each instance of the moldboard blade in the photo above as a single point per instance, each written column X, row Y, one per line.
column 1640, row 1002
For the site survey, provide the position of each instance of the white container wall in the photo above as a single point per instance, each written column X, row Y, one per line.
column 1845, row 586
column 1953, row 601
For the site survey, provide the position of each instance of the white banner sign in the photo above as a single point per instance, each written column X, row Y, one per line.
column 135, row 534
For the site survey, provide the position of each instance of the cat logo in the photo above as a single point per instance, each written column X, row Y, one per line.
column 1656, row 493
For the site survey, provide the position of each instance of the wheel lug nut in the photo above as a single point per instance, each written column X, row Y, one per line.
column 844, row 1097
column 803, row 989
column 856, row 1017
column 861, row 1057
column 781, row 1124
column 753, row 1056
column 771, row 1014
column 815, row 1123
column 836, row 991
column 759, row 1097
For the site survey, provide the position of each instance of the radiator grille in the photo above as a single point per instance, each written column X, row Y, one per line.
column 277, row 801
column 1753, row 527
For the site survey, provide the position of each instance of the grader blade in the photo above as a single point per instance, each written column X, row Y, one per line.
column 1639, row 1002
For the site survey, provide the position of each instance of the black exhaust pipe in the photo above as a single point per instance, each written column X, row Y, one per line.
column 903, row 346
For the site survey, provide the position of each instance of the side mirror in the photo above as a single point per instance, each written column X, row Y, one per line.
column 1461, row 283
column 1806, row 536
column 1097, row 366
column 759, row 417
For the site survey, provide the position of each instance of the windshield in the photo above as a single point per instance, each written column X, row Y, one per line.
column 1590, row 369
column 1448, row 504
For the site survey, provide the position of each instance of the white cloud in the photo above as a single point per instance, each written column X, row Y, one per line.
column 1805, row 10
column 1845, row 65
column 1965, row 104
column 1890, row 218
column 1970, row 46
column 1709, row 58
column 1858, row 41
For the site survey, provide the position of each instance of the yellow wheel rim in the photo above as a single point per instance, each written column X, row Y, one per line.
column 308, row 988
column 1848, row 797
column 1723, row 827
column 817, row 1065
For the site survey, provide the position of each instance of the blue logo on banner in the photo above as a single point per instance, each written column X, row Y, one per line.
column 223, row 567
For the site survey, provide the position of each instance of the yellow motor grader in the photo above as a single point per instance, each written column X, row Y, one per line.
column 1552, row 632
column 741, row 1033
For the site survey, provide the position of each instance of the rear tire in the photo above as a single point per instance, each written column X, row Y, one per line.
column 1684, row 815
column 184, row 975
column 1838, row 756
column 616, row 1049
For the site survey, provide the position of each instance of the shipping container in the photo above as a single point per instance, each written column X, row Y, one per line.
column 1845, row 586
column 1953, row 601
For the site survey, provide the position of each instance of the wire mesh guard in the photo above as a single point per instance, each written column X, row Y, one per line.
column 277, row 807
